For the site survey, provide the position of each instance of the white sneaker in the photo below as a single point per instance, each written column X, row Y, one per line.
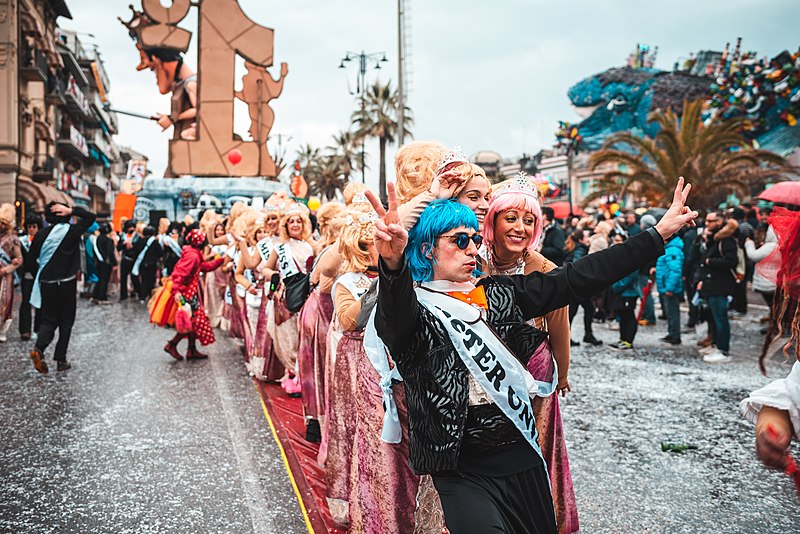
column 707, row 350
column 716, row 357
column 613, row 325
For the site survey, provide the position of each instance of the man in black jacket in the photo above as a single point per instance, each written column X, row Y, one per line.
column 127, row 246
column 461, row 349
column 717, row 282
column 33, row 223
column 54, row 262
column 106, row 258
column 553, row 237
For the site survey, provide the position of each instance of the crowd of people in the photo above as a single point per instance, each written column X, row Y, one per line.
column 435, row 398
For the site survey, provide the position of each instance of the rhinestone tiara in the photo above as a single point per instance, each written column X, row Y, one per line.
column 451, row 159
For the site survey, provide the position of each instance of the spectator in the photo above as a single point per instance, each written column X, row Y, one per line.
column 553, row 238
column 632, row 224
column 716, row 284
column 148, row 254
column 622, row 301
column 691, row 265
column 106, row 259
column 745, row 231
column 647, row 312
column 764, row 286
column 126, row 247
column 578, row 247
column 32, row 225
column 669, row 279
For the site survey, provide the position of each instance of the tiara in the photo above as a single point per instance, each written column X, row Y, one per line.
column 360, row 198
column 271, row 207
column 452, row 158
column 364, row 218
column 521, row 183
column 294, row 210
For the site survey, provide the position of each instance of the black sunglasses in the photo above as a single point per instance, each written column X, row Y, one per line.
column 462, row 239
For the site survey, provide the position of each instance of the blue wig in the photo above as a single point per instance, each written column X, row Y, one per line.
column 439, row 217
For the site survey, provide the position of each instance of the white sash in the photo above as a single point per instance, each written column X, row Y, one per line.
column 140, row 257
column 49, row 247
column 25, row 241
column 93, row 241
column 265, row 247
column 356, row 283
column 286, row 262
column 168, row 241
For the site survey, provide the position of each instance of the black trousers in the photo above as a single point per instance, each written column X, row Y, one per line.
column 58, row 312
column 480, row 504
column 627, row 318
column 739, row 303
column 147, row 281
column 101, row 287
column 588, row 314
column 25, row 309
column 125, row 267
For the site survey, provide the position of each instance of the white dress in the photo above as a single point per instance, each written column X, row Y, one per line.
column 782, row 394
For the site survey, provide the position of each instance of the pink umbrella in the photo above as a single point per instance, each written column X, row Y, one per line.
column 785, row 192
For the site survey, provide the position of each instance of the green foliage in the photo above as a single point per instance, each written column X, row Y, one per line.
column 715, row 158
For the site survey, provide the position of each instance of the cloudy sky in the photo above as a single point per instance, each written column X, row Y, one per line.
column 485, row 75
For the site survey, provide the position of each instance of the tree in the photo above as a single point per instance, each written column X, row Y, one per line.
column 378, row 118
column 329, row 180
column 344, row 148
column 715, row 158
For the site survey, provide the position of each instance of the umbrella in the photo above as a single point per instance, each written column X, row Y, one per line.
column 561, row 209
column 784, row 192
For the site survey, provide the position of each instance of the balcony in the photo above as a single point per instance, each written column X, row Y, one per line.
column 98, row 141
column 34, row 67
column 73, row 142
column 56, row 91
column 76, row 100
column 44, row 167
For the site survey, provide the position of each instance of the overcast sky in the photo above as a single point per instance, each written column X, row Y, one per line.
column 485, row 75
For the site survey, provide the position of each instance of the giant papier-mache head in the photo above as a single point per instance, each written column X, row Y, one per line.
column 437, row 219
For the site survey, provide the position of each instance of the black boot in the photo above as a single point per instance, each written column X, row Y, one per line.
column 313, row 432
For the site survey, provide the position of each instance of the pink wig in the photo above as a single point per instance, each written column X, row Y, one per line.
column 510, row 197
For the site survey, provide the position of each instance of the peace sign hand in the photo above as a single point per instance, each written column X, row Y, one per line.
column 678, row 213
column 390, row 236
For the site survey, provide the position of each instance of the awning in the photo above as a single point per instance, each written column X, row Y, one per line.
column 39, row 194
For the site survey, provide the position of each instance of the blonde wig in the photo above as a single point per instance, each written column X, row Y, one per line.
column 355, row 239
column 208, row 221
column 295, row 210
column 329, row 222
column 415, row 166
column 236, row 211
column 8, row 216
column 351, row 190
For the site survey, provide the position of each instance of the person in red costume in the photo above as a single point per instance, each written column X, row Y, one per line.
column 185, row 287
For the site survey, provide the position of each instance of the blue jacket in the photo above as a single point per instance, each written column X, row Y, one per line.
column 669, row 268
column 628, row 286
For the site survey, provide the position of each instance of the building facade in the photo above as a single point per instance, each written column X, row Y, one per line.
column 56, row 139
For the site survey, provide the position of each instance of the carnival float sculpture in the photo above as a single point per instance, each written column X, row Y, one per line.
column 767, row 92
column 203, row 142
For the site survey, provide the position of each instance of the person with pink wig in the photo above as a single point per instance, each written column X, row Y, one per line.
column 511, row 233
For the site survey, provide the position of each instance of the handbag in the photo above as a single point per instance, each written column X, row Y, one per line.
column 183, row 319
column 297, row 288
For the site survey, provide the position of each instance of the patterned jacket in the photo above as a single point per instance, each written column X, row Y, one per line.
column 435, row 378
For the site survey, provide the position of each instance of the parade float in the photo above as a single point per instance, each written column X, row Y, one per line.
column 205, row 155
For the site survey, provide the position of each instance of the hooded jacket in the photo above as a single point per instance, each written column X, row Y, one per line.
column 669, row 268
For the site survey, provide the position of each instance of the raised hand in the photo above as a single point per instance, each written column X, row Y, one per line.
column 390, row 236
column 678, row 214
column 445, row 184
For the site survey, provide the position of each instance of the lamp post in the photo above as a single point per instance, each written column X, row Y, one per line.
column 364, row 60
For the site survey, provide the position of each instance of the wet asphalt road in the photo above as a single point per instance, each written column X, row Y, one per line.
column 132, row 441
column 624, row 404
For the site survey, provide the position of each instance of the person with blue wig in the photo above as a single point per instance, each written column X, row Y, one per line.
column 461, row 349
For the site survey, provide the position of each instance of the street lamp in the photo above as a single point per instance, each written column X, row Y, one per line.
column 364, row 60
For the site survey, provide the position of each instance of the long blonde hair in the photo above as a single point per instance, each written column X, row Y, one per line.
column 415, row 166
column 283, row 233
column 329, row 222
column 355, row 237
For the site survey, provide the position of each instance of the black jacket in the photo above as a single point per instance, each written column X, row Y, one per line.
column 435, row 378
column 553, row 244
column 153, row 254
column 716, row 267
column 66, row 261
column 106, row 247
column 128, row 254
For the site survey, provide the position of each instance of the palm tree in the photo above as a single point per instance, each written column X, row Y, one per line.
column 328, row 178
column 345, row 150
column 377, row 117
column 715, row 158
